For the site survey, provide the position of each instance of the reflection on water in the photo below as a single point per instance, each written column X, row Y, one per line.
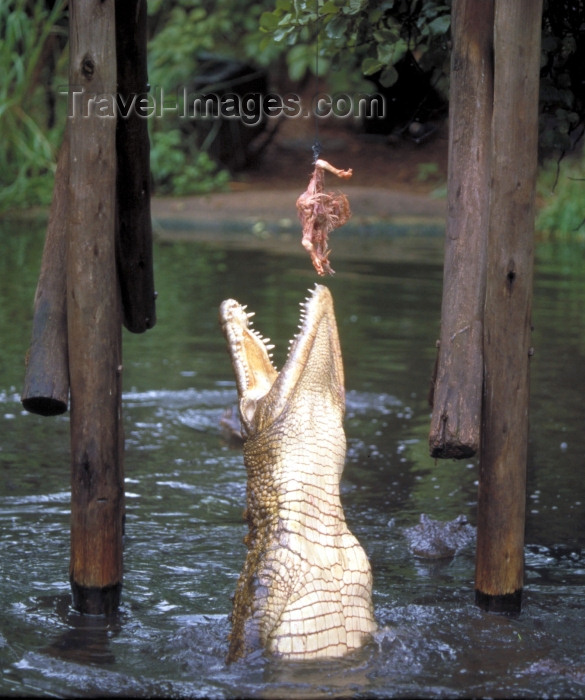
column 186, row 492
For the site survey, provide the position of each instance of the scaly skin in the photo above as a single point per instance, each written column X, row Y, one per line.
column 305, row 589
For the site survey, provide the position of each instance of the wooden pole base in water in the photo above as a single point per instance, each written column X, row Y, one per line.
column 96, row 601
column 510, row 604
column 46, row 381
column 94, row 315
column 507, row 319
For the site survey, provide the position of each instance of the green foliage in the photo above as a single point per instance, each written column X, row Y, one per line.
column 29, row 143
column 374, row 35
column 562, row 121
column 427, row 172
column 180, row 170
column 27, row 147
column 180, row 32
column 355, row 38
column 368, row 34
column 562, row 187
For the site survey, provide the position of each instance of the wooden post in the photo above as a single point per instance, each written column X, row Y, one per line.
column 456, row 417
column 134, row 236
column 46, row 381
column 94, row 314
column 507, row 320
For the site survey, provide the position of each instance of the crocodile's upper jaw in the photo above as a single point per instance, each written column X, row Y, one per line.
column 313, row 363
column 255, row 373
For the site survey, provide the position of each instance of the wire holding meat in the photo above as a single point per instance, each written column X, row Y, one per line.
column 320, row 213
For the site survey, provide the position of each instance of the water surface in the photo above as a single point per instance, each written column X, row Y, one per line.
column 186, row 491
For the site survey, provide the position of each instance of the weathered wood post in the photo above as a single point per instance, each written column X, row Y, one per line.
column 134, row 236
column 94, row 314
column 46, row 381
column 456, row 417
column 481, row 389
column 507, row 320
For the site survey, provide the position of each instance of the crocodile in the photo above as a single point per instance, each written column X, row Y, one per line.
column 433, row 539
column 305, row 588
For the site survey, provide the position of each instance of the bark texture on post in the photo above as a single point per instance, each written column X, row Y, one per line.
column 46, row 380
column 134, row 236
column 507, row 319
column 94, row 317
column 456, row 417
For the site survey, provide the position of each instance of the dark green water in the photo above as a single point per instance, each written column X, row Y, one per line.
column 186, row 491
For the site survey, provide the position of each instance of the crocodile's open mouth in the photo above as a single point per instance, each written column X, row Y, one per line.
column 314, row 356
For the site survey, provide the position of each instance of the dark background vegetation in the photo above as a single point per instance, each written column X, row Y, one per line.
column 362, row 45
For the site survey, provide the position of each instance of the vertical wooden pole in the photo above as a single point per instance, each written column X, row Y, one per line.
column 507, row 320
column 94, row 314
column 46, row 381
column 134, row 236
column 456, row 417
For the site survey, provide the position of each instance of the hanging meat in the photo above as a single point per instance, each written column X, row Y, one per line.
column 320, row 213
